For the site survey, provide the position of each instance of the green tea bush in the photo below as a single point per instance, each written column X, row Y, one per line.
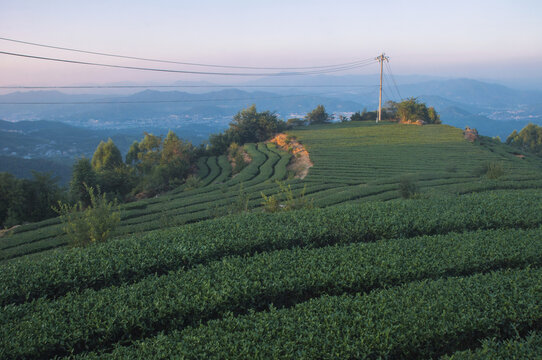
column 419, row 320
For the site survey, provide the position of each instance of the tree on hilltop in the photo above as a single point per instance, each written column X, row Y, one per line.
column 107, row 156
column 248, row 125
column 410, row 110
column 318, row 115
column 529, row 138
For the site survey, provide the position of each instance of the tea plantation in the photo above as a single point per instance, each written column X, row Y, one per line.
column 454, row 272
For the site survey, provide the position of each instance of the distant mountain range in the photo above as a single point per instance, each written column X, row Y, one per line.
column 492, row 108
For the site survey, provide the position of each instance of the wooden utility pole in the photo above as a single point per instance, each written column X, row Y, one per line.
column 381, row 59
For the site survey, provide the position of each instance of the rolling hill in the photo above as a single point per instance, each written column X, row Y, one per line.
column 453, row 271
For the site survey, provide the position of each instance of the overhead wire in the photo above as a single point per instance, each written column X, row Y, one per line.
column 388, row 83
column 179, row 86
column 182, row 62
column 388, row 66
column 315, row 72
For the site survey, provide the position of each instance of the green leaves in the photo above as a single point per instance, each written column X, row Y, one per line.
column 422, row 319
column 132, row 258
column 239, row 284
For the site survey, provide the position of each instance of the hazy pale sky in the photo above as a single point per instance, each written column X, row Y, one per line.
column 463, row 38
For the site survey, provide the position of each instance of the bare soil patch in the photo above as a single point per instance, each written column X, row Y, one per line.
column 300, row 162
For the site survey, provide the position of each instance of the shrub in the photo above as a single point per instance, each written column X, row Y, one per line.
column 407, row 187
column 92, row 224
column 241, row 203
column 270, row 203
column 192, row 182
column 491, row 170
column 494, row 170
column 291, row 202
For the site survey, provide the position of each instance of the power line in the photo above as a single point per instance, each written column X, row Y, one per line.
column 182, row 86
column 316, row 72
column 388, row 83
column 393, row 79
column 182, row 62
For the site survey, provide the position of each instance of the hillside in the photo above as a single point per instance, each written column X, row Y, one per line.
column 365, row 273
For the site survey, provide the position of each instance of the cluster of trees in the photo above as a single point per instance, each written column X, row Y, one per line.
column 28, row 200
column 404, row 111
column 248, row 125
column 152, row 165
column 529, row 138
column 412, row 110
column 409, row 110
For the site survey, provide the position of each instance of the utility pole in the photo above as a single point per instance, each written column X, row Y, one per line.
column 381, row 60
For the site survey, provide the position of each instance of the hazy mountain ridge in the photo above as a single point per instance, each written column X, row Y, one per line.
column 493, row 108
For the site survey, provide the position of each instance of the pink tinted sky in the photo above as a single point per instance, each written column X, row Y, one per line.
column 476, row 38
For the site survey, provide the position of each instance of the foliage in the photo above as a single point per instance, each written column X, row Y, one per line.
column 529, row 347
column 135, row 257
column 153, row 165
column 93, row 224
column 529, row 138
column 295, row 122
column 106, row 157
column 192, row 182
column 389, row 112
column 422, row 319
column 240, row 204
column 235, row 153
column 248, row 125
column 290, row 201
column 23, row 200
column 364, row 116
column 83, row 175
column 408, row 187
column 491, row 170
column 281, row 278
column 411, row 110
column 318, row 115
column 132, row 156
column 353, row 163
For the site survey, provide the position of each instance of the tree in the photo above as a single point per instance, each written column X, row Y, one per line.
column 248, row 125
column 41, row 193
column 23, row 200
column 318, row 115
column 293, row 122
column 411, row 110
column 107, row 156
column 433, row 117
column 8, row 196
column 132, row 156
column 112, row 175
column 176, row 157
column 364, row 116
column 149, row 152
column 83, row 175
column 529, row 138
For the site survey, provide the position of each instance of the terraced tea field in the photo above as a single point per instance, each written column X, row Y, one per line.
column 354, row 162
column 452, row 276
column 455, row 273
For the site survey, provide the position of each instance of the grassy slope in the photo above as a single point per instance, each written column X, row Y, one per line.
column 402, row 300
column 353, row 162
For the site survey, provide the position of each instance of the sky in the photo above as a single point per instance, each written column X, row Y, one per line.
column 462, row 38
